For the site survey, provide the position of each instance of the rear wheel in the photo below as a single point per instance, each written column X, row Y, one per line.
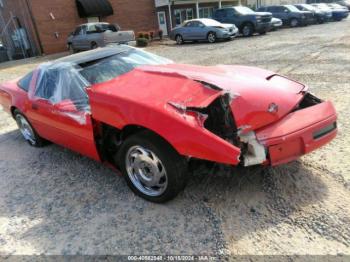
column 179, row 39
column 294, row 22
column 247, row 30
column 27, row 131
column 211, row 37
column 152, row 168
column 94, row 45
column 71, row 49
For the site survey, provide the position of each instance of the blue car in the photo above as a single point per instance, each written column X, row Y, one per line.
column 336, row 13
column 203, row 29
column 339, row 12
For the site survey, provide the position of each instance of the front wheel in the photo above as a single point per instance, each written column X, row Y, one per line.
column 211, row 37
column 27, row 131
column 152, row 168
column 179, row 39
column 247, row 30
column 294, row 22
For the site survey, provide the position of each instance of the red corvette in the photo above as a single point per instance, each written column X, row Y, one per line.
column 150, row 117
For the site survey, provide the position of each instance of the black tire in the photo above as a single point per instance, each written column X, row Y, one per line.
column 211, row 37
column 294, row 22
column 71, row 48
column 247, row 30
column 175, row 166
column 36, row 140
column 262, row 33
column 94, row 45
column 179, row 39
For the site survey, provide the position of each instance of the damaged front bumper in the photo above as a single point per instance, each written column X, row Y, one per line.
column 299, row 133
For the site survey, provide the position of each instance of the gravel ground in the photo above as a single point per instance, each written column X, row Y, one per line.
column 53, row 201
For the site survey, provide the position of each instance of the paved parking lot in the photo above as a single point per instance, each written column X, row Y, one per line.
column 53, row 201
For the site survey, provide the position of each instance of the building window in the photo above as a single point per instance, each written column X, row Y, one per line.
column 181, row 15
column 206, row 12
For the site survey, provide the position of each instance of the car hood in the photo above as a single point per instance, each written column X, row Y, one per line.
column 228, row 26
column 258, row 97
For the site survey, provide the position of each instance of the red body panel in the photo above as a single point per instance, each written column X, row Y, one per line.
column 50, row 124
column 140, row 98
column 252, row 88
column 293, row 136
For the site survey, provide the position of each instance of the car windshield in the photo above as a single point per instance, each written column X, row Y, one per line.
column 210, row 22
column 335, row 6
column 308, row 7
column 107, row 68
column 106, row 27
column 323, row 7
column 292, row 8
column 244, row 10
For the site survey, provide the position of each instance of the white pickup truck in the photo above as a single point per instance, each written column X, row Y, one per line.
column 92, row 35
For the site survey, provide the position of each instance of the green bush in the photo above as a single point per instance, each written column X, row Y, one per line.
column 146, row 35
column 142, row 42
column 140, row 35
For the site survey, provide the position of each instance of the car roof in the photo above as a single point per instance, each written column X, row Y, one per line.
column 93, row 55
column 95, row 23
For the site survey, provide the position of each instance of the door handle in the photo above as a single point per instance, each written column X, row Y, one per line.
column 35, row 107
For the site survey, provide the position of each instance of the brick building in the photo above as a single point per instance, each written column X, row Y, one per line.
column 47, row 24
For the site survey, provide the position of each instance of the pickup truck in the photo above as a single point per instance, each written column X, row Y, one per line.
column 247, row 21
column 92, row 35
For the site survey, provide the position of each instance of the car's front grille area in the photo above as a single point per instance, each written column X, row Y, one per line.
column 324, row 131
column 266, row 19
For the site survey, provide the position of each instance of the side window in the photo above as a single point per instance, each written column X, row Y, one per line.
column 46, row 84
column 83, row 30
column 77, row 30
column 230, row 12
column 92, row 29
column 24, row 83
column 189, row 24
column 63, row 83
column 220, row 13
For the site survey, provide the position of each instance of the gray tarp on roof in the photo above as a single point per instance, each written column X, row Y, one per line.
column 90, row 8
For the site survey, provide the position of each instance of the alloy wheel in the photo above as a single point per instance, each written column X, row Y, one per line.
column 146, row 171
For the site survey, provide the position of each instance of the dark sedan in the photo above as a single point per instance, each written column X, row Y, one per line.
column 203, row 29
column 319, row 16
column 289, row 14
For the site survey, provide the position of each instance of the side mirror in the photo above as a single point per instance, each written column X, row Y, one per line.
column 286, row 11
column 66, row 106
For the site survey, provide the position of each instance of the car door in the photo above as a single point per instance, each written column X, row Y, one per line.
column 188, row 31
column 199, row 30
column 79, row 39
column 59, row 110
column 283, row 13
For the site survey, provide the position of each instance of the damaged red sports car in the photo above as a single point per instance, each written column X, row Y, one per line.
column 150, row 117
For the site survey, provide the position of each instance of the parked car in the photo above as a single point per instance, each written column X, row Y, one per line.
column 339, row 11
column 289, row 14
column 337, row 14
column 93, row 35
column 325, row 9
column 318, row 15
column 203, row 29
column 150, row 117
column 344, row 3
column 276, row 23
column 247, row 21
